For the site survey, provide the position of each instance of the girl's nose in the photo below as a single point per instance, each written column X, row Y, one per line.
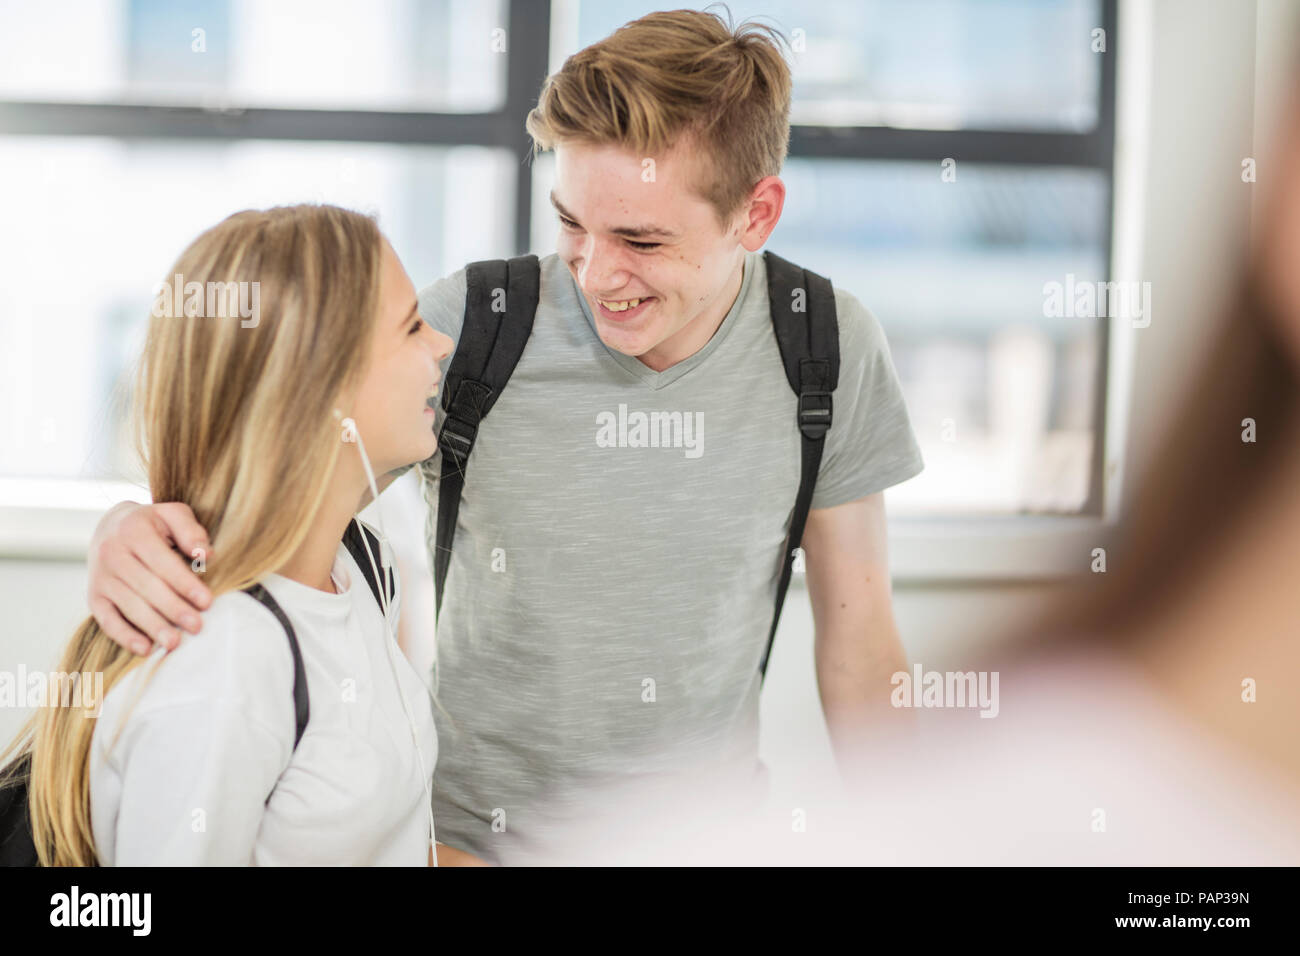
column 445, row 345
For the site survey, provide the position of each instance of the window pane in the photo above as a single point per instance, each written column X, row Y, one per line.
column 91, row 225
column 922, row 64
column 426, row 55
column 1001, row 395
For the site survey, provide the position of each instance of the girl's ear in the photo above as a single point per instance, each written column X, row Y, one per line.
column 348, row 427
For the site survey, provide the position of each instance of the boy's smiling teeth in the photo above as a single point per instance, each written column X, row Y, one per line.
column 620, row 306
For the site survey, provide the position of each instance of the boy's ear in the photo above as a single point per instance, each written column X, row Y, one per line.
column 765, row 205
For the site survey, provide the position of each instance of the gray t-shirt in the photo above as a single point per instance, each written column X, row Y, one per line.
column 614, row 571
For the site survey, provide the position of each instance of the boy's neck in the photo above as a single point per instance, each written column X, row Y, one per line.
column 696, row 333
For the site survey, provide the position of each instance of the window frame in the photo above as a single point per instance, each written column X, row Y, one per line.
column 529, row 32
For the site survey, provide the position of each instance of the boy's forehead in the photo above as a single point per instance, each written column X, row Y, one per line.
column 646, row 194
column 668, row 167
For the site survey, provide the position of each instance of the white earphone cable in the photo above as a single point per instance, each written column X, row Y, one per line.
column 350, row 427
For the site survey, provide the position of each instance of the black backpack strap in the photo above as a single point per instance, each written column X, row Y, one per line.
column 301, row 705
column 352, row 539
column 17, row 847
column 807, row 332
column 500, row 302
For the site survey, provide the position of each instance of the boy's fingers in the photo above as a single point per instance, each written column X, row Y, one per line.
column 117, row 627
column 176, row 574
column 179, row 523
column 158, row 594
column 140, row 615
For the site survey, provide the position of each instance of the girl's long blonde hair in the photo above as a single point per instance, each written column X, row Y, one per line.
column 234, row 417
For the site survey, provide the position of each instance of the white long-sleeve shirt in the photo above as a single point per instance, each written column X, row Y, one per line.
column 212, row 735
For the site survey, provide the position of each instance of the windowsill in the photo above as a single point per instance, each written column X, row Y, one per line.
column 54, row 520
column 992, row 548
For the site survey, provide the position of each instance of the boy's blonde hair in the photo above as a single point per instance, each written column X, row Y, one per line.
column 675, row 75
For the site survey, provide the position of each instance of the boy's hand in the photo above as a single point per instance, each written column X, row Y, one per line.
column 141, row 590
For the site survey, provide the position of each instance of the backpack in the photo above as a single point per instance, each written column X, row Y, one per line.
column 491, row 343
column 17, row 847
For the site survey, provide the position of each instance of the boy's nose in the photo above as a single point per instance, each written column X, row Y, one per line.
column 599, row 270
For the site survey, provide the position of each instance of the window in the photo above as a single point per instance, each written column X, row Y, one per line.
column 74, row 325
column 126, row 127
column 918, row 64
column 417, row 55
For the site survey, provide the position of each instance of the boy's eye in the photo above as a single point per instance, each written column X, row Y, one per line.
column 415, row 326
column 641, row 246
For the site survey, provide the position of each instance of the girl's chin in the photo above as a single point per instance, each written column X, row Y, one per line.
column 427, row 446
column 412, row 453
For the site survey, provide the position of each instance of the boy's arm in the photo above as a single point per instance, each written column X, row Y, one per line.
column 141, row 587
column 857, row 648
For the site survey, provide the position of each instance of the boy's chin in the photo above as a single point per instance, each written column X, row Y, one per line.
column 633, row 346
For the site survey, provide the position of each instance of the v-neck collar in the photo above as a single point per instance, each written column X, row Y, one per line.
column 657, row 380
